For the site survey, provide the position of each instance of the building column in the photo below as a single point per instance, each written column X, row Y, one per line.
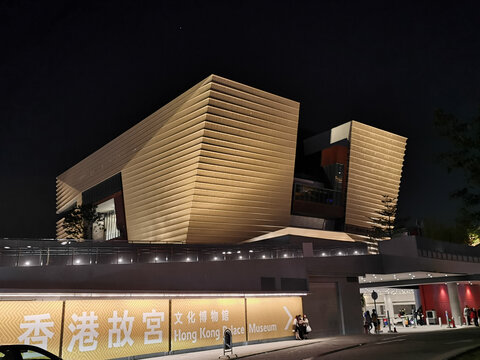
column 418, row 299
column 455, row 303
column 387, row 298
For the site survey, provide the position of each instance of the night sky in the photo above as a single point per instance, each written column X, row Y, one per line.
column 74, row 75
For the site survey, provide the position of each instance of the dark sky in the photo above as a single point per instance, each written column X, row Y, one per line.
column 74, row 75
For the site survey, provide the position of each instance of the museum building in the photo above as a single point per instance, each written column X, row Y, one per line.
column 218, row 165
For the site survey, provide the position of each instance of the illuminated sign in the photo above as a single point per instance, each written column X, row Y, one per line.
column 201, row 322
column 31, row 322
column 105, row 329
column 270, row 318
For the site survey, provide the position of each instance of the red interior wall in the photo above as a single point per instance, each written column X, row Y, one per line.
column 469, row 295
column 435, row 297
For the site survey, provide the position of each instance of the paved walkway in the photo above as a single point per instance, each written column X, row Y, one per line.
column 256, row 349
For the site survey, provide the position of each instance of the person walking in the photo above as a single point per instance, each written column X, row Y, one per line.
column 296, row 327
column 306, row 323
column 474, row 316
column 368, row 322
column 375, row 321
column 466, row 314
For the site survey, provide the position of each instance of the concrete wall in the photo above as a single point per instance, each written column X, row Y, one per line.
column 331, row 306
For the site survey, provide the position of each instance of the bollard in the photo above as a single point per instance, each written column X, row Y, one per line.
column 389, row 321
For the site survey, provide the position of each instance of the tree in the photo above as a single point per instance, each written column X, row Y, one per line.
column 79, row 221
column 384, row 225
column 464, row 136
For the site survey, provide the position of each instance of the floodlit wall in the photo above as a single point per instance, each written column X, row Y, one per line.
column 215, row 165
column 106, row 329
column 375, row 169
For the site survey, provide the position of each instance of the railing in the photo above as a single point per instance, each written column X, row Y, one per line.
column 447, row 256
column 52, row 252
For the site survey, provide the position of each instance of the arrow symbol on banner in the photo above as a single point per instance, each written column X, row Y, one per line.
column 290, row 317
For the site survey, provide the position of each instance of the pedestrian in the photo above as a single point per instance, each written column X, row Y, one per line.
column 473, row 316
column 368, row 322
column 466, row 314
column 375, row 321
column 306, row 323
column 296, row 327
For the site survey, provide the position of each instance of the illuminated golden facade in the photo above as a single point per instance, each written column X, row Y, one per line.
column 215, row 165
column 374, row 169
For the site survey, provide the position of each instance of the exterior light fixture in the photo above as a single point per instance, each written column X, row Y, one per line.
column 6, row 247
column 215, row 258
column 240, row 257
column 120, row 260
column 77, row 261
column 285, row 255
column 27, row 263
column 340, row 253
column 323, row 254
column 229, row 252
column 250, row 251
column 64, row 243
column 188, row 259
column 29, row 247
column 263, row 256
column 156, row 259
column 355, row 252
column 238, row 252
column 223, row 253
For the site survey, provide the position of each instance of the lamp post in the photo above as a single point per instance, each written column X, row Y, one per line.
column 375, row 297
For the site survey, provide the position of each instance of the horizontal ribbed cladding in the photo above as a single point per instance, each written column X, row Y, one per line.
column 159, row 151
column 375, row 169
column 245, row 174
column 159, row 179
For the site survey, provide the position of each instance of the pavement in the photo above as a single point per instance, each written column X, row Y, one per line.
column 344, row 342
